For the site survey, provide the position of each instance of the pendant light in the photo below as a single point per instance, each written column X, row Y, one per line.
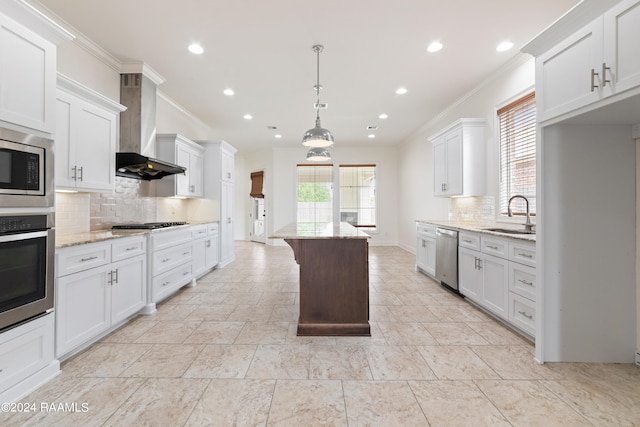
column 318, row 137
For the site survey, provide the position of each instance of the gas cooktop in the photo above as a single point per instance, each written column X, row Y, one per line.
column 148, row 225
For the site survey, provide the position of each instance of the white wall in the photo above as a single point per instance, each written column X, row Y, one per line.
column 415, row 154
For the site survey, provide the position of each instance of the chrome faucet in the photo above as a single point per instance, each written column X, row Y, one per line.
column 527, row 226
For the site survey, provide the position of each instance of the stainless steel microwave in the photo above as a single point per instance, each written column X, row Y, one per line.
column 26, row 170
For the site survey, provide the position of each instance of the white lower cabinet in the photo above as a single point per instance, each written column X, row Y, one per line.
column 493, row 274
column 170, row 262
column 27, row 357
column 205, row 248
column 91, row 299
column 426, row 248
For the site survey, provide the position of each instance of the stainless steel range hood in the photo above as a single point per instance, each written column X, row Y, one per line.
column 135, row 158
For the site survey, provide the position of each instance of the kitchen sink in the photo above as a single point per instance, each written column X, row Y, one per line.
column 510, row 231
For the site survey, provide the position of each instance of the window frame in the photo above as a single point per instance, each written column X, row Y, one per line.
column 375, row 207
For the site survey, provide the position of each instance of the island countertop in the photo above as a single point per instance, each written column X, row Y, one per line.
column 319, row 230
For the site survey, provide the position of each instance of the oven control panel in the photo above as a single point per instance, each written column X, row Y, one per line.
column 22, row 223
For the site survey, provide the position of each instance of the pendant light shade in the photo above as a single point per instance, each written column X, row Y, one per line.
column 318, row 137
column 318, row 154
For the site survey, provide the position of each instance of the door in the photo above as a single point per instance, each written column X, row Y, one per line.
column 258, row 223
column 128, row 287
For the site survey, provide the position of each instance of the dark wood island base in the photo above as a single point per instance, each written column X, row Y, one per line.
column 334, row 283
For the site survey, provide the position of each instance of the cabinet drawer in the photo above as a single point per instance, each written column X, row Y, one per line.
column 198, row 231
column 524, row 253
column 166, row 239
column 522, row 313
column 212, row 228
column 165, row 284
column 427, row 229
column 82, row 257
column 127, row 248
column 522, row 280
column 495, row 247
column 170, row 258
column 469, row 240
column 24, row 350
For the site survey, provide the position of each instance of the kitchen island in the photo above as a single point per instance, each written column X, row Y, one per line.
column 334, row 277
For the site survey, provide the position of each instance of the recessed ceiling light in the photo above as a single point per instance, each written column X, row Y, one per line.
column 196, row 49
column 277, row 136
column 248, row 117
column 504, row 46
column 434, row 47
column 228, row 92
column 371, row 135
column 383, row 116
column 401, row 91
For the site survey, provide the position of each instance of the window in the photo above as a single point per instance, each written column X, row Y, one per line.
column 315, row 193
column 518, row 154
column 358, row 195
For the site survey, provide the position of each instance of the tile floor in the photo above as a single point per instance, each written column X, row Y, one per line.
column 225, row 353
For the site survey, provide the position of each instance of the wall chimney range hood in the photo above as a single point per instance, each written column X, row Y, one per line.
column 137, row 166
column 138, row 127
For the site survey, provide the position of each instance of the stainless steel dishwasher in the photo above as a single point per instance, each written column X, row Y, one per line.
column 447, row 257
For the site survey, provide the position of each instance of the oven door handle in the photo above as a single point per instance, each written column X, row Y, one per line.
column 23, row 236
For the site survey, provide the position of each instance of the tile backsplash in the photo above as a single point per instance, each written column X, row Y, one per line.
column 478, row 209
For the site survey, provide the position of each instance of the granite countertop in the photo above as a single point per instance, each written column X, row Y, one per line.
column 66, row 240
column 319, row 230
column 481, row 227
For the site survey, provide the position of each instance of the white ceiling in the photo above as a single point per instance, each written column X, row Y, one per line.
column 263, row 50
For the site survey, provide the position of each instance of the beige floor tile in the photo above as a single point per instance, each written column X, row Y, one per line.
column 529, row 403
column 456, row 404
column 251, row 313
column 131, row 331
column 384, row 298
column 169, row 332
column 497, row 334
column 215, row 333
column 412, row 313
column 381, row 313
column 382, row 403
column 172, row 312
column 293, row 338
column 456, row 363
column 456, row 313
column 406, row 333
column 398, row 363
column 105, row 359
column 280, row 362
column 211, row 312
column 208, row 298
column 160, row 402
column 263, row 333
column 454, row 333
column 228, row 402
column 513, row 362
column 164, row 361
column 242, row 297
column 330, row 362
column 285, row 313
column 307, row 403
column 277, row 298
column 222, row 361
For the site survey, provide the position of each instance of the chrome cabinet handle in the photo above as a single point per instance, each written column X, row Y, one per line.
column 81, row 173
column 495, row 248
column 131, row 249
column 165, row 283
column 115, row 273
column 604, row 74
column 75, row 172
column 88, row 259
column 525, row 282
column 593, row 79
column 528, row 316
column 110, row 279
column 467, row 241
column 186, row 253
column 525, row 255
column 186, row 273
column 166, row 260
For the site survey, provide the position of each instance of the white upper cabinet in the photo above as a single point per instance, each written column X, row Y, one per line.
column 458, row 159
column 86, row 137
column 27, row 77
column 597, row 61
column 177, row 149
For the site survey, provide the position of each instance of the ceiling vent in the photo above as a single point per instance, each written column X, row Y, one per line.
column 372, row 127
column 320, row 106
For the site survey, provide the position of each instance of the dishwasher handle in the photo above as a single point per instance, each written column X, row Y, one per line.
column 447, row 233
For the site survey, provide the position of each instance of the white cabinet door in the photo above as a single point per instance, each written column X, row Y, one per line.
column 83, row 302
column 226, row 223
column 495, row 285
column 422, row 256
column 95, row 146
column 212, row 252
column 27, row 77
column 621, row 54
column 128, row 287
column 182, row 181
column 453, row 144
column 439, row 167
column 196, row 176
column 175, row 148
column 469, row 274
column 227, row 166
column 199, row 263
column 65, row 158
column 564, row 73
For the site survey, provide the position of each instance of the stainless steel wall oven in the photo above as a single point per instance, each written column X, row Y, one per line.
column 26, row 170
column 27, row 245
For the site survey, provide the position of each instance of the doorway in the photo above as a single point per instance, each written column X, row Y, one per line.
column 258, row 232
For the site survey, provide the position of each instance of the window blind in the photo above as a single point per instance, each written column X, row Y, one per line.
column 257, row 181
column 518, row 154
